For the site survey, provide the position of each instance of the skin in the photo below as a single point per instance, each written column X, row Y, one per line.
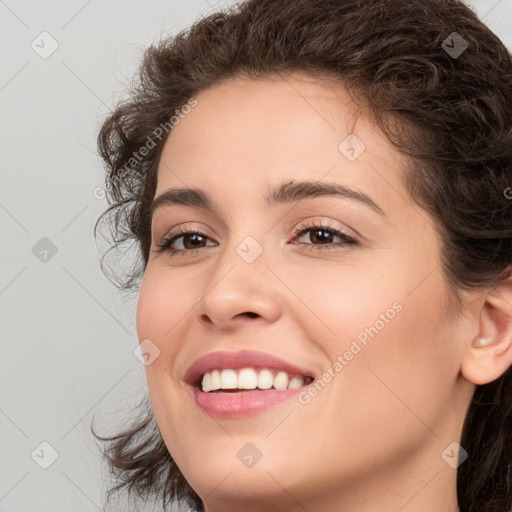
column 373, row 437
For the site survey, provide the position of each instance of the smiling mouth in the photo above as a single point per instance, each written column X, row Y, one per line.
column 229, row 380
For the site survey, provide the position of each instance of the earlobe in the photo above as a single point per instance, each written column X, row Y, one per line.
column 490, row 353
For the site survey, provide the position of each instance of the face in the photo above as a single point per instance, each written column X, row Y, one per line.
column 346, row 287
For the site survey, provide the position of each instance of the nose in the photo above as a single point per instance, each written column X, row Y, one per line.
column 239, row 290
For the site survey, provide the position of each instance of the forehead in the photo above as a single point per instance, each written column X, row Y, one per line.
column 271, row 109
column 249, row 131
column 279, row 120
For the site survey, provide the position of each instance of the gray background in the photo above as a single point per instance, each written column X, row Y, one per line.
column 68, row 335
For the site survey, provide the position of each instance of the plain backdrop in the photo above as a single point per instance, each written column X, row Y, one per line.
column 68, row 335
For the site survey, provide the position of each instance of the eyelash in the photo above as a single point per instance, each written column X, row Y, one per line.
column 347, row 240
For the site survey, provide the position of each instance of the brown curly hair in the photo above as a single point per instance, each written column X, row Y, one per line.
column 451, row 114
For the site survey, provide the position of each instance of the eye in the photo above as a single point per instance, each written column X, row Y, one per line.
column 192, row 240
column 323, row 234
column 191, row 243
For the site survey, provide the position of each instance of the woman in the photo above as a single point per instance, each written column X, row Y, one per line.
column 321, row 196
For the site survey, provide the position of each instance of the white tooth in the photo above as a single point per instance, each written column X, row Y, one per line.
column 247, row 379
column 281, row 380
column 207, row 382
column 228, row 379
column 265, row 379
column 295, row 382
column 215, row 382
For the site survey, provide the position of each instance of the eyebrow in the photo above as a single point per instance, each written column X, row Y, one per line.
column 282, row 193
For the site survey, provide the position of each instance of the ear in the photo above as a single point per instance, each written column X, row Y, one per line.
column 490, row 353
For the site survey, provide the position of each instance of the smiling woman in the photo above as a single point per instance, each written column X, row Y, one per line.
column 326, row 258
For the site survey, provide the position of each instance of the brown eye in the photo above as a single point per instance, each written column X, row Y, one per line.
column 321, row 235
column 189, row 240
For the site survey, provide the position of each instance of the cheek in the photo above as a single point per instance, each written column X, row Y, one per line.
column 408, row 364
column 343, row 304
column 399, row 363
column 163, row 307
column 159, row 311
column 394, row 336
column 162, row 302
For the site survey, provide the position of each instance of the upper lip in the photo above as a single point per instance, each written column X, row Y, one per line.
column 242, row 359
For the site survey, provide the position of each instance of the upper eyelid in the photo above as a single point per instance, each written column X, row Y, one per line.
column 160, row 212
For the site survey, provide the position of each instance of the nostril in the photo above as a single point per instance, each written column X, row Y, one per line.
column 251, row 314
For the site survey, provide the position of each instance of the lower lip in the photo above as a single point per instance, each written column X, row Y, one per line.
column 235, row 404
